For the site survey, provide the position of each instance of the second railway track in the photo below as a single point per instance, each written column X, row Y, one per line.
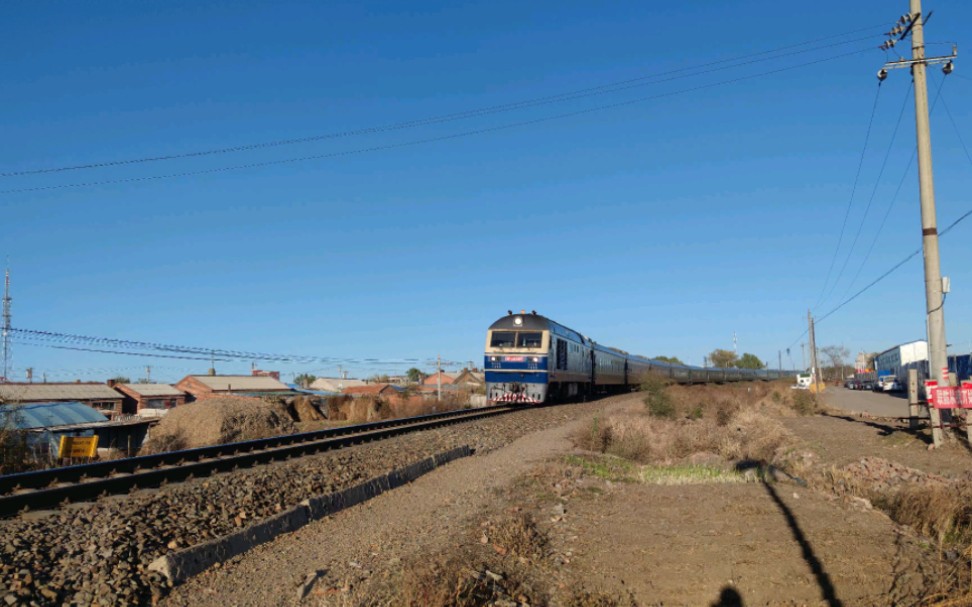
column 46, row 489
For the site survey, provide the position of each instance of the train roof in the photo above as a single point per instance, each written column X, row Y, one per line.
column 536, row 322
column 531, row 321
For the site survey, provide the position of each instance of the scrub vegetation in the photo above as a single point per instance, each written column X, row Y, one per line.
column 725, row 424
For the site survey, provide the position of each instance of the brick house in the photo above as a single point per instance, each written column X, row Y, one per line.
column 433, row 380
column 150, row 400
column 201, row 386
column 383, row 391
column 98, row 396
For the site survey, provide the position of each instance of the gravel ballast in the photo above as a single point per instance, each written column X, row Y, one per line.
column 98, row 553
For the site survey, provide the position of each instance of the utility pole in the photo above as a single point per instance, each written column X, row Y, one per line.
column 779, row 355
column 735, row 349
column 803, row 355
column 148, row 373
column 5, row 376
column 913, row 23
column 814, row 370
column 438, row 378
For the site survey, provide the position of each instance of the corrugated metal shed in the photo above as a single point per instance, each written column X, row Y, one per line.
column 153, row 389
column 50, row 415
column 40, row 393
column 241, row 383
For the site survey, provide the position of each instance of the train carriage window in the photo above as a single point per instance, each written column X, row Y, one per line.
column 530, row 339
column 502, row 339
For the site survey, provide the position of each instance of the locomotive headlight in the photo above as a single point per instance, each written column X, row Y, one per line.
column 535, row 359
column 518, row 321
column 493, row 359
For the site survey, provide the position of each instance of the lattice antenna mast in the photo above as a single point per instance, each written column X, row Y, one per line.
column 5, row 376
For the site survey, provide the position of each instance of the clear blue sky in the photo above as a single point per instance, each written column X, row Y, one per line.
column 661, row 227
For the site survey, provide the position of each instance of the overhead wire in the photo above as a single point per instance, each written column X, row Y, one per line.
column 894, row 199
column 602, row 89
column 887, row 273
column 870, row 200
column 824, row 293
column 439, row 138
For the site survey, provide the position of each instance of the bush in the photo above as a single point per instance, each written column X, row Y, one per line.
column 657, row 399
column 805, row 402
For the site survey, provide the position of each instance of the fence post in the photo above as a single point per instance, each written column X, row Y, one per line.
column 913, row 398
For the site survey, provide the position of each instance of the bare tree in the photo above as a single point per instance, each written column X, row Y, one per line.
column 837, row 355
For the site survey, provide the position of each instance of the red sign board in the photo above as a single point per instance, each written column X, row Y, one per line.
column 948, row 397
column 515, row 359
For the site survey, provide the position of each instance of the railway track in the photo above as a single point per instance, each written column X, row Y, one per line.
column 45, row 489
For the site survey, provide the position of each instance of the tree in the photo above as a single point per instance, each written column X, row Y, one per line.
column 837, row 356
column 669, row 359
column 304, row 380
column 722, row 359
column 415, row 376
column 121, row 379
column 750, row 361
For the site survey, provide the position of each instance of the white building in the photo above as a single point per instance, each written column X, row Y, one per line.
column 891, row 361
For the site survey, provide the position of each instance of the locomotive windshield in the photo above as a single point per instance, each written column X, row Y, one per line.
column 516, row 339
column 502, row 339
column 529, row 339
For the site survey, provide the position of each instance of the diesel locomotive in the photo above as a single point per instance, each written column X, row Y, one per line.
column 531, row 359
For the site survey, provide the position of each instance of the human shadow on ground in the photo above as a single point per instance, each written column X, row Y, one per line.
column 827, row 589
column 728, row 597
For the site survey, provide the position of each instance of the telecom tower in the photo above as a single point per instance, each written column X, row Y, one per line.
column 5, row 376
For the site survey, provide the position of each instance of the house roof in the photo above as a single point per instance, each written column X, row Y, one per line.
column 474, row 377
column 49, row 415
column 152, row 389
column 335, row 384
column 371, row 389
column 446, row 377
column 55, row 392
column 241, row 383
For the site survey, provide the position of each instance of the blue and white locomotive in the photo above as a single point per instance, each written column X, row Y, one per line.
column 531, row 359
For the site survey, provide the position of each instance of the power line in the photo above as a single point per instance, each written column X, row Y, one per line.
column 955, row 126
column 962, row 218
column 824, row 293
column 128, row 347
column 912, row 255
column 870, row 200
column 602, row 89
column 897, row 191
column 439, row 138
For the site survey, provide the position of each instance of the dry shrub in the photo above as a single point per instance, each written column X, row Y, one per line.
column 305, row 410
column 805, row 402
column 751, row 435
column 745, row 435
column 586, row 598
column 519, row 535
column 941, row 511
column 451, row 583
column 219, row 420
column 646, row 439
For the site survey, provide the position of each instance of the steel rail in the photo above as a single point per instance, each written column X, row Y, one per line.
column 49, row 488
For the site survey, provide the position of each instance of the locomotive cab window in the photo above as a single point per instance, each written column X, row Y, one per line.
column 529, row 339
column 502, row 339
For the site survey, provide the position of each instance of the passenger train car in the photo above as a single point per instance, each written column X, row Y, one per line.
column 531, row 359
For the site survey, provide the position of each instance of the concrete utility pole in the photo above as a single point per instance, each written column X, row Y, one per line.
column 913, row 23
column 813, row 352
column 5, row 375
column 438, row 378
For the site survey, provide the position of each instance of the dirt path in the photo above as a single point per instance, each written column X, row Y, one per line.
column 751, row 543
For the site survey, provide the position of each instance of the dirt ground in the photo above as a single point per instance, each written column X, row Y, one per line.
column 536, row 523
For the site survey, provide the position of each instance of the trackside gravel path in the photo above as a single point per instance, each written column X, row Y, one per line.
column 674, row 545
